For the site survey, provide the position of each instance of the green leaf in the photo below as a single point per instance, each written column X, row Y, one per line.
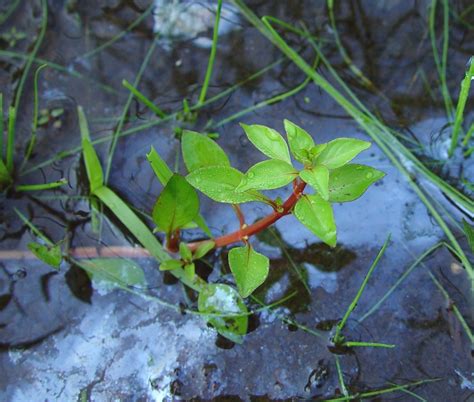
column 131, row 221
column 203, row 249
column 222, row 299
column 268, row 175
column 469, row 231
column 349, row 182
column 190, row 271
column 220, row 182
column 268, row 141
column 159, row 166
column 316, row 214
column 185, row 252
column 340, row 151
column 50, row 255
column 117, row 272
column 200, row 151
column 164, row 173
column 177, row 205
column 93, row 167
column 169, row 265
column 250, row 269
column 318, row 178
column 300, row 142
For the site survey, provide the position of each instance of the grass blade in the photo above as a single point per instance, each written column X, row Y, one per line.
column 338, row 338
column 91, row 160
column 43, row 186
column 212, row 56
column 33, row 228
column 142, row 98
column 32, row 141
column 116, row 134
column 11, row 138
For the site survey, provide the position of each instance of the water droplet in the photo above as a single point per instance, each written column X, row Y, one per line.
column 369, row 175
column 250, row 175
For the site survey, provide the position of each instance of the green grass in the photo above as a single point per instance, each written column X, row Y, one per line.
column 441, row 61
column 212, row 56
column 116, row 134
column 339, row 339
column 142, row 98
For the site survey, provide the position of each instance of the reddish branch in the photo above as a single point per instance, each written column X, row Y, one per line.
column 243, row 233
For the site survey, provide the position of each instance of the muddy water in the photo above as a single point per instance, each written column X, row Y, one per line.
column 62, row 339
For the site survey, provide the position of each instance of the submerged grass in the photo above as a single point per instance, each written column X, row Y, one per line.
column 338, row 337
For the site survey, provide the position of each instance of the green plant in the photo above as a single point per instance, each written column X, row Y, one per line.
column 323, row 167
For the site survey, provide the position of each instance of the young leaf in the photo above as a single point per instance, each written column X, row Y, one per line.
column 203, row 249
column 185, row 252
column 91, row 161
column 159, row 166
column 340, row 151
column 300, row 142
column 169, row 265
column 164, row 173
column 177, row 205
column 316, row 150
column 220, row 182
column 268, row 141
column 50, row 255
column 316, row 214
column 200, row 151
column 469, row 231
column 114, row 271
column 268, row 175
column 349, row 182
column 222, row 299
column 190, row 271
column 318, row 178
column 250, row 269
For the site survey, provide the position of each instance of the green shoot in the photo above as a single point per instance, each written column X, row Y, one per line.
column 116, row 134
column 10, row 139
column 340, row 376
column 338, row 337
column 42, row 186
column 441, row 65
column 32, row 141
column 142, row 98
column 212, row 56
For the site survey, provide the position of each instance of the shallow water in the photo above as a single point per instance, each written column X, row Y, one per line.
column 63, row 339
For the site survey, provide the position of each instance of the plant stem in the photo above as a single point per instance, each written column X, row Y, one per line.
column 243, row 233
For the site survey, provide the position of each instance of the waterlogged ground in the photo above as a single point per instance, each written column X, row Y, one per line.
column 63, row 338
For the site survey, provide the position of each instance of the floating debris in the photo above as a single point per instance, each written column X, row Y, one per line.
column 186, row 20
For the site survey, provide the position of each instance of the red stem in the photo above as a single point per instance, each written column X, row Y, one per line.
column 244, row 232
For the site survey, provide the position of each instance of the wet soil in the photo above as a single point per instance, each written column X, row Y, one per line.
column 63, row 339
